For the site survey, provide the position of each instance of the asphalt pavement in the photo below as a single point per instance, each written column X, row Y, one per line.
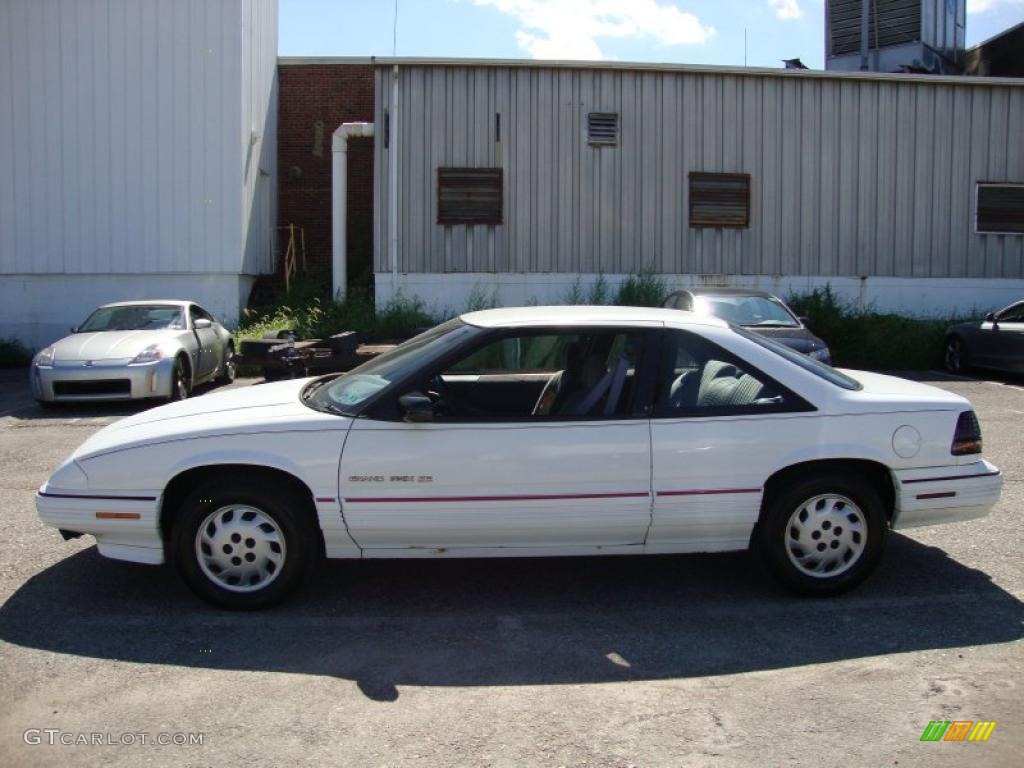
column 618, row 661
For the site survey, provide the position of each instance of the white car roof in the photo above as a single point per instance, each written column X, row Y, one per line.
column 507, row 317
column 158, row 302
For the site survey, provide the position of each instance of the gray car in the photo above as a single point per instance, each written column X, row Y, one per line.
column 757, row 311
column 134, row 350
column 996, row 342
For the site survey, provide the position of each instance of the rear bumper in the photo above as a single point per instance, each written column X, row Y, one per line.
column 126, row 526
column 945, row 494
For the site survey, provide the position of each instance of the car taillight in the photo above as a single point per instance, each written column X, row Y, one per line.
column 967, row 438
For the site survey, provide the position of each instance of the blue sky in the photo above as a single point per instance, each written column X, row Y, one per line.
column 678, row 31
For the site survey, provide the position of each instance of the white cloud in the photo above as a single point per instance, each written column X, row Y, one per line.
column 570, row 29
column 982, row 6
column 788, row 9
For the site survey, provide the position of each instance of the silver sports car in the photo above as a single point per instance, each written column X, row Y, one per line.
column 133, row 350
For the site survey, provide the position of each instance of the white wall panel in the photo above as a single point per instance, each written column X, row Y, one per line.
column 852, row 175
column 119, row 118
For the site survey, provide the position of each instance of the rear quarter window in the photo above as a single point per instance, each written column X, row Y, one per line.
column 819, row 369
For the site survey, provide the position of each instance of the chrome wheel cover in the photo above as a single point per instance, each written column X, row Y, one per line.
column 229, row 365
column 826, row 536
column 180, row 385
column 240, row 548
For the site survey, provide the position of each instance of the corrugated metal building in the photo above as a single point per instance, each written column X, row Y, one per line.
column 137, row 155
column 865, row 181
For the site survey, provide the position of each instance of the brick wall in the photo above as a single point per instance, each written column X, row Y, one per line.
column 313, row 100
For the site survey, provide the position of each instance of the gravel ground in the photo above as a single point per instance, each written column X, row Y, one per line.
column 695, row 660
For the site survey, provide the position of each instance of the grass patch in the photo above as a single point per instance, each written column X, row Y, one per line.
column 14, row 354
column 644, row 289
column 866, row 339
column 305, row 311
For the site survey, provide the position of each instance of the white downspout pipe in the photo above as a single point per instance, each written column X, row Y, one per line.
column 339, row 201
column 394, row 147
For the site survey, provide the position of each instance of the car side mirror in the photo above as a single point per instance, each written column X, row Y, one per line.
column 417, row 406
column 804, row 320
column 202, row 323
column 990, row 317
column 74, row 329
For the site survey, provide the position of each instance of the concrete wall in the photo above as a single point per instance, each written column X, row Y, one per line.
column 449, row 294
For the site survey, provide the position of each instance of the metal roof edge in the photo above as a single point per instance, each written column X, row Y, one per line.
column 707, row 69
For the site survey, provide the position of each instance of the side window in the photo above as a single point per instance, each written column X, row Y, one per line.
column 576, row 373
column 194, row 313
column 701, row 379
column 1014, row 314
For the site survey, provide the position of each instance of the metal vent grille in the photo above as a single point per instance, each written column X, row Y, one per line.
column 899, row 21
column 1000, row 208
column 469, row 196
column 603, row 128
column 720, row 200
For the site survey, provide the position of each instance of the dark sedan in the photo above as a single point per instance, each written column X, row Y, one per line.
column 995, row 342
column 758, row 311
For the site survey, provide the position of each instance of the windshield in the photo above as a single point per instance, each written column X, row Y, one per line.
column 746, row 310
column 349, row 391
column 816, row 367
column 135, row 317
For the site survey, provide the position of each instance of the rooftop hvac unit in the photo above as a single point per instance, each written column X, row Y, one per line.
column 895, row 35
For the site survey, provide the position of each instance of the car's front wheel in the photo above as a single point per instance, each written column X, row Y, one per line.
column 180, row 388
column 824, row 535
column 244, row 543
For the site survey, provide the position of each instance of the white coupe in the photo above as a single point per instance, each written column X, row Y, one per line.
column 527, row 432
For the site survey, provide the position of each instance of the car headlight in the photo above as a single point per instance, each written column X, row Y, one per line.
column 150, row 354
column 44, row 359
column 821, row 354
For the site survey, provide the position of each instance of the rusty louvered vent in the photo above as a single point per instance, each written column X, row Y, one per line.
column 719, row 199
column 469, row 196
column 603, row 129
column 1000, row 208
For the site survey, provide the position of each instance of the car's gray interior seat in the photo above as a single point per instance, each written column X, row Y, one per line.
column 723, row 384
column 717, row 384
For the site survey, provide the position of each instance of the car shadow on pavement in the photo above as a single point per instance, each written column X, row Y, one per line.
column 385, row 624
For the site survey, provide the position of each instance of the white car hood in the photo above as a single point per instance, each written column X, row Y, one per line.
column 893, row 391
column 260, row 408
column 106, row 345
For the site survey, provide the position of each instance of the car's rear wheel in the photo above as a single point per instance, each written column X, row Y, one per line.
column 956, row 355
column 824, row 535
column 180, row 388
column 244, row 543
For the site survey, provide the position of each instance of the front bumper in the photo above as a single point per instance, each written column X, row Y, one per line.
column 945, row 494
column 75, row 382
column 125, row 523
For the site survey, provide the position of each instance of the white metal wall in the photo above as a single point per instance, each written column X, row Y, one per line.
column 124, row 135
column 259, row 133
column 851, row 175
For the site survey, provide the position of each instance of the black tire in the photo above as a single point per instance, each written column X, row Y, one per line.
column 956, row 356
column 181, row 387
column 280, row 507
column 227, row 366
column 786, row 528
